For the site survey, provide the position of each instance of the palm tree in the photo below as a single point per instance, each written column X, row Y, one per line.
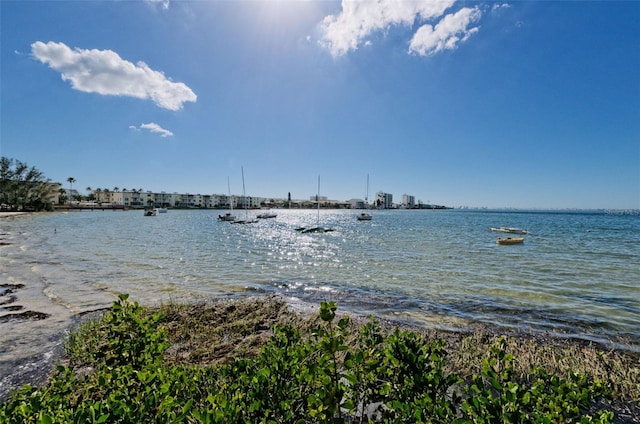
column 62, row 195
column 70, row 180
column 115, row 189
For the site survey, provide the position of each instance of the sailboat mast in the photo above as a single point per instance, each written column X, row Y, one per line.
column 366, row 197
column 230, row 199
column 318, row 228
column 244, row 194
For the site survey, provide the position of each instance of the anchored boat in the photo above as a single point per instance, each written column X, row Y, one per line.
column 510, row 240
column 246, row 219
column 364, row 216
column 317, row 228
column 267, row 215
column 229, row 216
column 511, row 230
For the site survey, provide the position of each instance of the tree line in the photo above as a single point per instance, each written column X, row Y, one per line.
column 24, row 188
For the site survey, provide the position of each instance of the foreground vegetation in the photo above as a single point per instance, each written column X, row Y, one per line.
column 256, row 361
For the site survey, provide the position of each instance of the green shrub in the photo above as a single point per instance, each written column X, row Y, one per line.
column 495, row 397
column 323, row 376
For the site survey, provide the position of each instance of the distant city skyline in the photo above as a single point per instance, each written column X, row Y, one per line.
column 371, row 200
column 96, row 190
column 528, row 105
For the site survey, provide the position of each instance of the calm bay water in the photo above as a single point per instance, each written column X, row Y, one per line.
column 577, row 274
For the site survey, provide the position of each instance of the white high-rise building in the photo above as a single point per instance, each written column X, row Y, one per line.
column 384, row 200
column 408, row 201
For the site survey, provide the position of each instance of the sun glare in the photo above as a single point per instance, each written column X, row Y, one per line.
column 288, row 14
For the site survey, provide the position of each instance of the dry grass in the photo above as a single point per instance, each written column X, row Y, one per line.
column 217, row 332
column 210, row 333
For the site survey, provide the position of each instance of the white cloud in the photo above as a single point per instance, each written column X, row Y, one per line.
column 154, row 128
column 360, row 19
column 163, row 3
column 447, row 34
column 498, row 6
column 105, row 72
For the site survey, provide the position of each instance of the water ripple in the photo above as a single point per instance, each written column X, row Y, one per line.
column 576, row 274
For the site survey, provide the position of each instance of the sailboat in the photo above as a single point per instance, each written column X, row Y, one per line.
column 364, row 216
column 246, row 219
column 317, row 228
column 229, row 216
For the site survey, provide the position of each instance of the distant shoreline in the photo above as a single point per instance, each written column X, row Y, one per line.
column 605, row 211
column 10, row 214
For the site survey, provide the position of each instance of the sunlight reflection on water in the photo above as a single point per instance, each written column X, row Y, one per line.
column 575, row 274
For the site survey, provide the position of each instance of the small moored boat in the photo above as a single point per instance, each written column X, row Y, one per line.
column 150, row 212
column 244, row 221
column 317, row 228
column 510, row 240
column 510, row 230
column 305, row 230
column 227, row 217
column 364, row 216
column 267, row 215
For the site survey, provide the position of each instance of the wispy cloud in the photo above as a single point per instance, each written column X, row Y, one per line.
column 163, row 3
column 105, row 72
column 499, row 6
column 447, row 34
column 361, row 19
column 154, row 128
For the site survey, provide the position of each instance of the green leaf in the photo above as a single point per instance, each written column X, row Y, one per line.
column 103, row 418
column 45, row 419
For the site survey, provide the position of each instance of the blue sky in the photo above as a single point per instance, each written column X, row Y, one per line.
column 512, row 104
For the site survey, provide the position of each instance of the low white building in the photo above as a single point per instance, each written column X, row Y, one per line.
column 248, row 202
column 357, row 204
